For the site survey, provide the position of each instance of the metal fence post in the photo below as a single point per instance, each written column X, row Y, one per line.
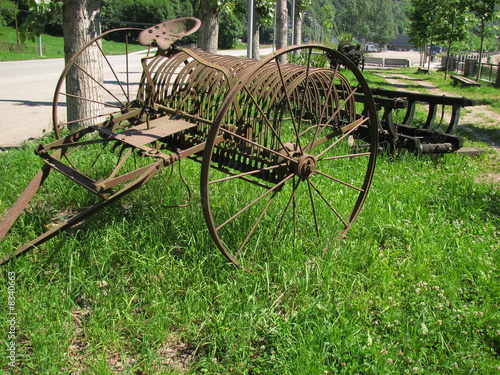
column 497, row 83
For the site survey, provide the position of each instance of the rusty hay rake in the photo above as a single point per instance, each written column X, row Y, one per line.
column 287, row 145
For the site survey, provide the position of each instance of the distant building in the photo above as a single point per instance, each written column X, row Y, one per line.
column 401, row 43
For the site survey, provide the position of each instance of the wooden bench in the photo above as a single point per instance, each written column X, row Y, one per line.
column 423, row 70
column 464, row 81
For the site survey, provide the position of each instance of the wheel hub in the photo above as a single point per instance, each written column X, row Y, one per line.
column 306, row 166
column 302, row 165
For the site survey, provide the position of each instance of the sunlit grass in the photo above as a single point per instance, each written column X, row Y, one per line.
column 140, row 288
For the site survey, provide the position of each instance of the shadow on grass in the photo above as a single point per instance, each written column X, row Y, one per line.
column 486, row 135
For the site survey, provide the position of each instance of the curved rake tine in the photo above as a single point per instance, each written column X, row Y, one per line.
column 289, row 106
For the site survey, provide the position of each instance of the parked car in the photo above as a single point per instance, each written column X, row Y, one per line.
column 436, row 50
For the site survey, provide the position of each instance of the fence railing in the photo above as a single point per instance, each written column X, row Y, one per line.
column 469, row 65
column 489, row 72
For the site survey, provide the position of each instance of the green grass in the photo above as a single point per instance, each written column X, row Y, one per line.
column 141, row 289
column 53, row 47
column 486, row 94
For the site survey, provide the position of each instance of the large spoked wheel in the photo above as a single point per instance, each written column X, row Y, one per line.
column 290, row 158
column 95, row 86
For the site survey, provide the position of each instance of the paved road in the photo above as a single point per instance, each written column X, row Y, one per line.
column 27, row 89
column 26, row 98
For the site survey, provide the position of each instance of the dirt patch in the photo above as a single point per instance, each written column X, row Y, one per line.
column 495, row 59
column 77, row 349
column 174, row 355
column 493, row 178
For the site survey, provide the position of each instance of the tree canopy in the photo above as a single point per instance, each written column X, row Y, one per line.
column 376, row 21
column 452, row 22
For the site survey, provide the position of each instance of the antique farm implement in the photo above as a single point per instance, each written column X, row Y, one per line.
column 432, row 135
column 287, row 145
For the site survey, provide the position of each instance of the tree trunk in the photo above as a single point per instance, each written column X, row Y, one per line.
column 256, row 34
column 481, row 51
column 297, row 32
column 423, row 54
column 208, row 34
column 281, row 24
column 430, row 54
column 81, row 23
column 448, row 55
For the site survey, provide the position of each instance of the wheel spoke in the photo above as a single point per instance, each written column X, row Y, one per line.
column 247, row 173
column 328, row 204
column 287, row 207
column 259, row 219
column 114, row 72
column 306, row 88
column 329, row 92
column 346, row 134
column 289, row 105
column 257, row 144
column 274, row 188
column 100, row 84
column 322, row 126
column 346, row 130
column 339, row 181
column 346, row 156
column 106, row 104
column 268, row 123
column 82, row 119
column 127, row 67
column 313, row 207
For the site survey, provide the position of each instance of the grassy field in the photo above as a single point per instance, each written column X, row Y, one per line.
column 53, row 47
column 140, row 289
